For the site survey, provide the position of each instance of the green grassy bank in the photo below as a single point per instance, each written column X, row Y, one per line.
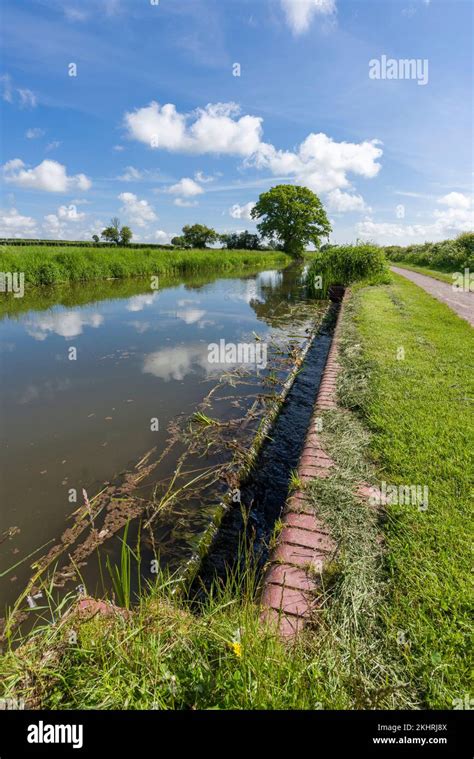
column 49, row 266
column 392, row 629
column 401, row 600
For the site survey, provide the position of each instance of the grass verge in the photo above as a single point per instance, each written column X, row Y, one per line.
column 408, row 373
column 442, row 276
column 392, row 627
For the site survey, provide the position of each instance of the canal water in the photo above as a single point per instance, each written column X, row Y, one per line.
column 99, row 389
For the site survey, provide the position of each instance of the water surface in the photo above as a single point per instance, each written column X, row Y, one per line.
column 84, row 387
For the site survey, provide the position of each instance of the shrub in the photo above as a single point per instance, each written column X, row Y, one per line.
column 344, row 264
column 48, row 273
column 448, row 255
column 241, row 241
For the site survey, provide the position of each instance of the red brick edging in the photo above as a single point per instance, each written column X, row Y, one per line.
column 304, row 545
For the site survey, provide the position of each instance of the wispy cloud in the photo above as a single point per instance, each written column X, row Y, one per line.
column 52, row 145
column 20, row 96
column 34, row 133
column 300, row 13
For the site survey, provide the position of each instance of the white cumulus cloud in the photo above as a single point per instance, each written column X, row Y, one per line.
column 447, row 223
column 241, row 212
column 456, row 200
column 342, row 202
column 49, row 176
column 378, row 230
column 70, row 213
column 53, row 226
column 14, row 224
column 186, row 187
column 162, row 237
column 321, row 163
column 217, row 128
column 139, row 211
column 454, row 220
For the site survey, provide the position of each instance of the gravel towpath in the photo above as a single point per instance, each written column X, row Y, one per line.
column 459, row 301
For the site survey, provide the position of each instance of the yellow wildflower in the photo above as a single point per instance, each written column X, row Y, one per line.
column 236, row 648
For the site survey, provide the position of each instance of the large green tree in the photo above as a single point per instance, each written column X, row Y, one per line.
column 197, row 236
column 293, row 216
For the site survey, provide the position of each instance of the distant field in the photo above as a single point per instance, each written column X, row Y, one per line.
column 44, row 265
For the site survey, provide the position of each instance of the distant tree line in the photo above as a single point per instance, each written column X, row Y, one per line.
column 289, row 217
column 200, row 236
column 78, row 243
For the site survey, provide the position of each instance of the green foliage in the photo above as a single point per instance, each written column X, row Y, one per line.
column 466, row 242
column 241, row 241
column 344, row 264
column 198, row 236
column 112, row 232
column 115, row 233
column 292, row 215
column 126, row 235
column 109, row 234
column 178, row 242
column 45, row 265
column 121, row 574
column 47, row 273
column 448, row 255
column 422, row 433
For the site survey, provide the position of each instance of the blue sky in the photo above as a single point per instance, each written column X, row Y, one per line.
column 160, row 126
